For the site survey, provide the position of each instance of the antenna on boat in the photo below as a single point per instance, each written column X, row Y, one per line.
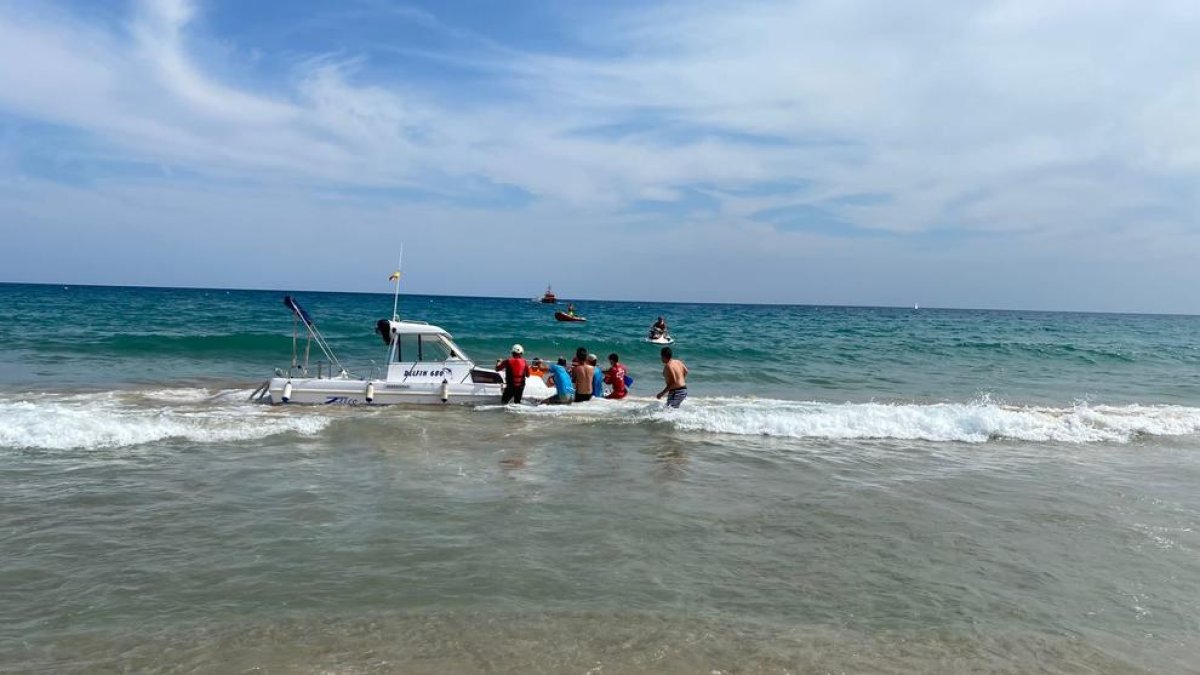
column 396, row 278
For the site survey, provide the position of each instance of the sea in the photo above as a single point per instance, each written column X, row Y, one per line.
column 846, row 490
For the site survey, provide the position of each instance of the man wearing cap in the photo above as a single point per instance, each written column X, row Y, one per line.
column 597, row 377
column 515, row 371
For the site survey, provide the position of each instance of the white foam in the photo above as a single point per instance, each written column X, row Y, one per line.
column 130, row 418
column 974, row 422
column 195, row 395
column 181, row 395
column 117, row 419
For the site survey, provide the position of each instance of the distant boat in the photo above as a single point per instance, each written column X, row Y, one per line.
column 916, row 306
column 548, row 297
column 563, row 316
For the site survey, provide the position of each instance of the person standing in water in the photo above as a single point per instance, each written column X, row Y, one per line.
column 597, row 376
column 516, row 371
column 616, row 377
column 675, row 375
column 561, row 381
column 581, row 376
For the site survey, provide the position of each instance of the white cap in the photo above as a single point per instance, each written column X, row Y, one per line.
column 518, row 349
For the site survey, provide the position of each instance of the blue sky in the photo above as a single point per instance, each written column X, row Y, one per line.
column 1018, row 154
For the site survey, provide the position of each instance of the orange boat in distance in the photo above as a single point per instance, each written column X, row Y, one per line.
column 548, row 297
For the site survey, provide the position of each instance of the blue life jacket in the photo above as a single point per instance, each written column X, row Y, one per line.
column 598, row 383
column 562, row 381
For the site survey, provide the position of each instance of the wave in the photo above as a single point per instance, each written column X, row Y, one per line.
column 136, row 417
column 974, row 422
column 131, row 418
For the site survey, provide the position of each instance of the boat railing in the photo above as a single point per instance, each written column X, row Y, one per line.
column 301, row 370
column 324, row 371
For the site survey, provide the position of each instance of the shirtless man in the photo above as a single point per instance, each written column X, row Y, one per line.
column 675, row 375
column 582, row 376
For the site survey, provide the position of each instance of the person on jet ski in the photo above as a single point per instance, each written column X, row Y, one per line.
column 659, row 329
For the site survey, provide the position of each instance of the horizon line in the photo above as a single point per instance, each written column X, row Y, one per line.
column 671, row 302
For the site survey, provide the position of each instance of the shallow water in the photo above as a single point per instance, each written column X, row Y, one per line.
column 153, row 520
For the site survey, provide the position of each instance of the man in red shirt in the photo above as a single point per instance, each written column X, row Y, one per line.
column 516, row 370
column 616, row 377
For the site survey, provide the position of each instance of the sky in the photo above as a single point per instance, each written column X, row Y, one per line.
column 1023, row 154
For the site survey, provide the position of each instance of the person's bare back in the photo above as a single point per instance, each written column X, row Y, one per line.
column 675, row 374
column 582, row 375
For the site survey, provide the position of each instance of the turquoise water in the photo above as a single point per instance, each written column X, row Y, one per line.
column 847, row 489
column 99, row 336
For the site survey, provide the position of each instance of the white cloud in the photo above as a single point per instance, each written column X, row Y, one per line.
column 158, row 31
column 1008, row 118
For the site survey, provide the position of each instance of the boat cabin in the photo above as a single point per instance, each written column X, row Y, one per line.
column 420, row 352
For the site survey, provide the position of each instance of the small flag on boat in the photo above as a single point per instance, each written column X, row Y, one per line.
column 395, row 276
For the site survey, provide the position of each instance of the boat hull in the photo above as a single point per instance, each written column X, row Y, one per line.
column 336, row 391
column 563, row 316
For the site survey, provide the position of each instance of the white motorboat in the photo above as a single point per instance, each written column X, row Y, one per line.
column 424, row 366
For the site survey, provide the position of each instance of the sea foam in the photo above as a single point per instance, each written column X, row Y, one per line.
column 131, row 418
column 973, row 422
column 117, row 419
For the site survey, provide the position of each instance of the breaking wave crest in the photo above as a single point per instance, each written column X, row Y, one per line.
column 974, row 422
column 130, row 418
column 136, row 417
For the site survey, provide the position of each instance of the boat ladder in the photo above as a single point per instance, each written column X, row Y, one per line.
column 263, row 391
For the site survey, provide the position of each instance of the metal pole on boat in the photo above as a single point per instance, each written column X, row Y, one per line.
column 295, row 337
column 396, row 295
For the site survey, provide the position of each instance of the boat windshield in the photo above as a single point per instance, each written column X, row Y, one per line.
column 426, row 347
